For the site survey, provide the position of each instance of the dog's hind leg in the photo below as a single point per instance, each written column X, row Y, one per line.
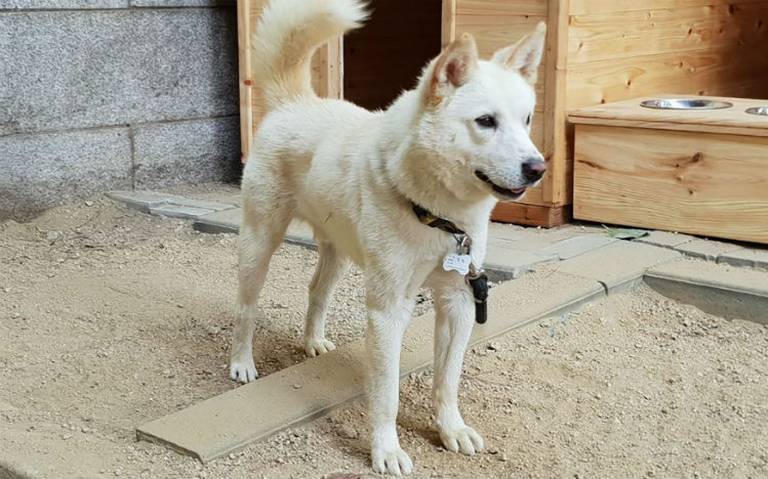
column 262, row 231
column 454, row 320
column 331, row 266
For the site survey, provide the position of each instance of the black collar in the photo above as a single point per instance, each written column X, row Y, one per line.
column 426, row 217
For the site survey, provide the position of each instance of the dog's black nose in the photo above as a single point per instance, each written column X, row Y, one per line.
column 534, row 169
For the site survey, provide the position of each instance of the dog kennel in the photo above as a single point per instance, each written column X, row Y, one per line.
column 597, row 51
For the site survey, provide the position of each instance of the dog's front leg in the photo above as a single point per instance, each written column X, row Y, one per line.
column 454, row 306
column 386, row 326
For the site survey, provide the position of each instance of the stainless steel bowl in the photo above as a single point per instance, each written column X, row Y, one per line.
column 685, row 104
column 758, row 110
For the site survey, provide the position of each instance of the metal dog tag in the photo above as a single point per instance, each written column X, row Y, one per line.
column 457, row 262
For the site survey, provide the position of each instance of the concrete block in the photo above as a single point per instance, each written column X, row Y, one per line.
column 576, row 246
column 170, row 154
column 755, row 258
column 511, row 261
column 196, row 203
column 227, row 221
column 116, row 67
column 182, row 3
column 179, row 211
column 706, row 249
column 39, row 171
column 61, row 4
column 139, row 200
column 617, row 264
column 534, row 239
column 665, row 239
column 734, row 293
column 307, row 390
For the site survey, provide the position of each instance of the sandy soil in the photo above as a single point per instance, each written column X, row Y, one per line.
column 110, row 318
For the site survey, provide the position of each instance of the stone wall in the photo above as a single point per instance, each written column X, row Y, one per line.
column 114, row 94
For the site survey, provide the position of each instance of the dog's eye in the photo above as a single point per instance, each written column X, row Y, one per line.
column 486, row 121
column 528, row 120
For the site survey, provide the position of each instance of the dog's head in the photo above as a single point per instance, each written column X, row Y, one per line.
column 477, row 116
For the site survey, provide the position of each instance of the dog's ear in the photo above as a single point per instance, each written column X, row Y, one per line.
column 453, row 67
column 525, row 55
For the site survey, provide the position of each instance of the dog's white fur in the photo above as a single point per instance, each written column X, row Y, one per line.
column 352, row 174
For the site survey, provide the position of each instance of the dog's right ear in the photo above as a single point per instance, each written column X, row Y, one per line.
column 453, row 68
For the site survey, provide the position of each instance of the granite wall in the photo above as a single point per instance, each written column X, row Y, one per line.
column 114, row 94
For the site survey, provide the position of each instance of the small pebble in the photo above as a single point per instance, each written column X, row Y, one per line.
column 349, row 432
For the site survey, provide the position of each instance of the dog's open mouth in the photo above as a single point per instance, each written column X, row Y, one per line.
column 506, row 192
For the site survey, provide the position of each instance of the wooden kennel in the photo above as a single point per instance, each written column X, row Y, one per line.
column 597, row 51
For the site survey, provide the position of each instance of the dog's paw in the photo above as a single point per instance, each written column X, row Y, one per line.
column 316, row 347
column 243, row 371
column 464, row 440
column 392, row 461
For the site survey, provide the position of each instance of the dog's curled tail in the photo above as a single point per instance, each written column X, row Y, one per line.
column 287, row 35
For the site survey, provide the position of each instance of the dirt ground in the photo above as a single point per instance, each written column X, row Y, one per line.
column 110, row 318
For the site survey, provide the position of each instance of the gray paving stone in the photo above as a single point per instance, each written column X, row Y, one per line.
column 196, row 203
column 706, row 249
column 511, row 261
column 665, row 239
column 39, row 171
column 723, row 290
column 179, row 211
column 216, row 427
column 752, row 257
column 60, row 4
column 617, row 264
column 535, row 239
column 182, row 3
column 90, row 68
column 147, row 201
column 576, row 246
column 139, row 200
column 227, row 221
column 187, row 152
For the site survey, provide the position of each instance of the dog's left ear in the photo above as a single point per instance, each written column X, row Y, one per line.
column 525, row 55
column 453, row 68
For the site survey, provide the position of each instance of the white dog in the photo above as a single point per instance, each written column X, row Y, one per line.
column 371, row 183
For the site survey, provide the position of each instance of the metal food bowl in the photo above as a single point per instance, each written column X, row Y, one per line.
column 685, row 104
column 758, row 110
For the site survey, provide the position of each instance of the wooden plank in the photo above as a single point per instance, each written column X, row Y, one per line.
column 556, row 187
column 629, row 113
column 506, row 8
column 531, row 215
column 619, row 34
column 590, row 7
column 326, row 70
column 699, row 183
column 493, row 32
column 245, row 81
column 714, row 72
column 448, row 29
